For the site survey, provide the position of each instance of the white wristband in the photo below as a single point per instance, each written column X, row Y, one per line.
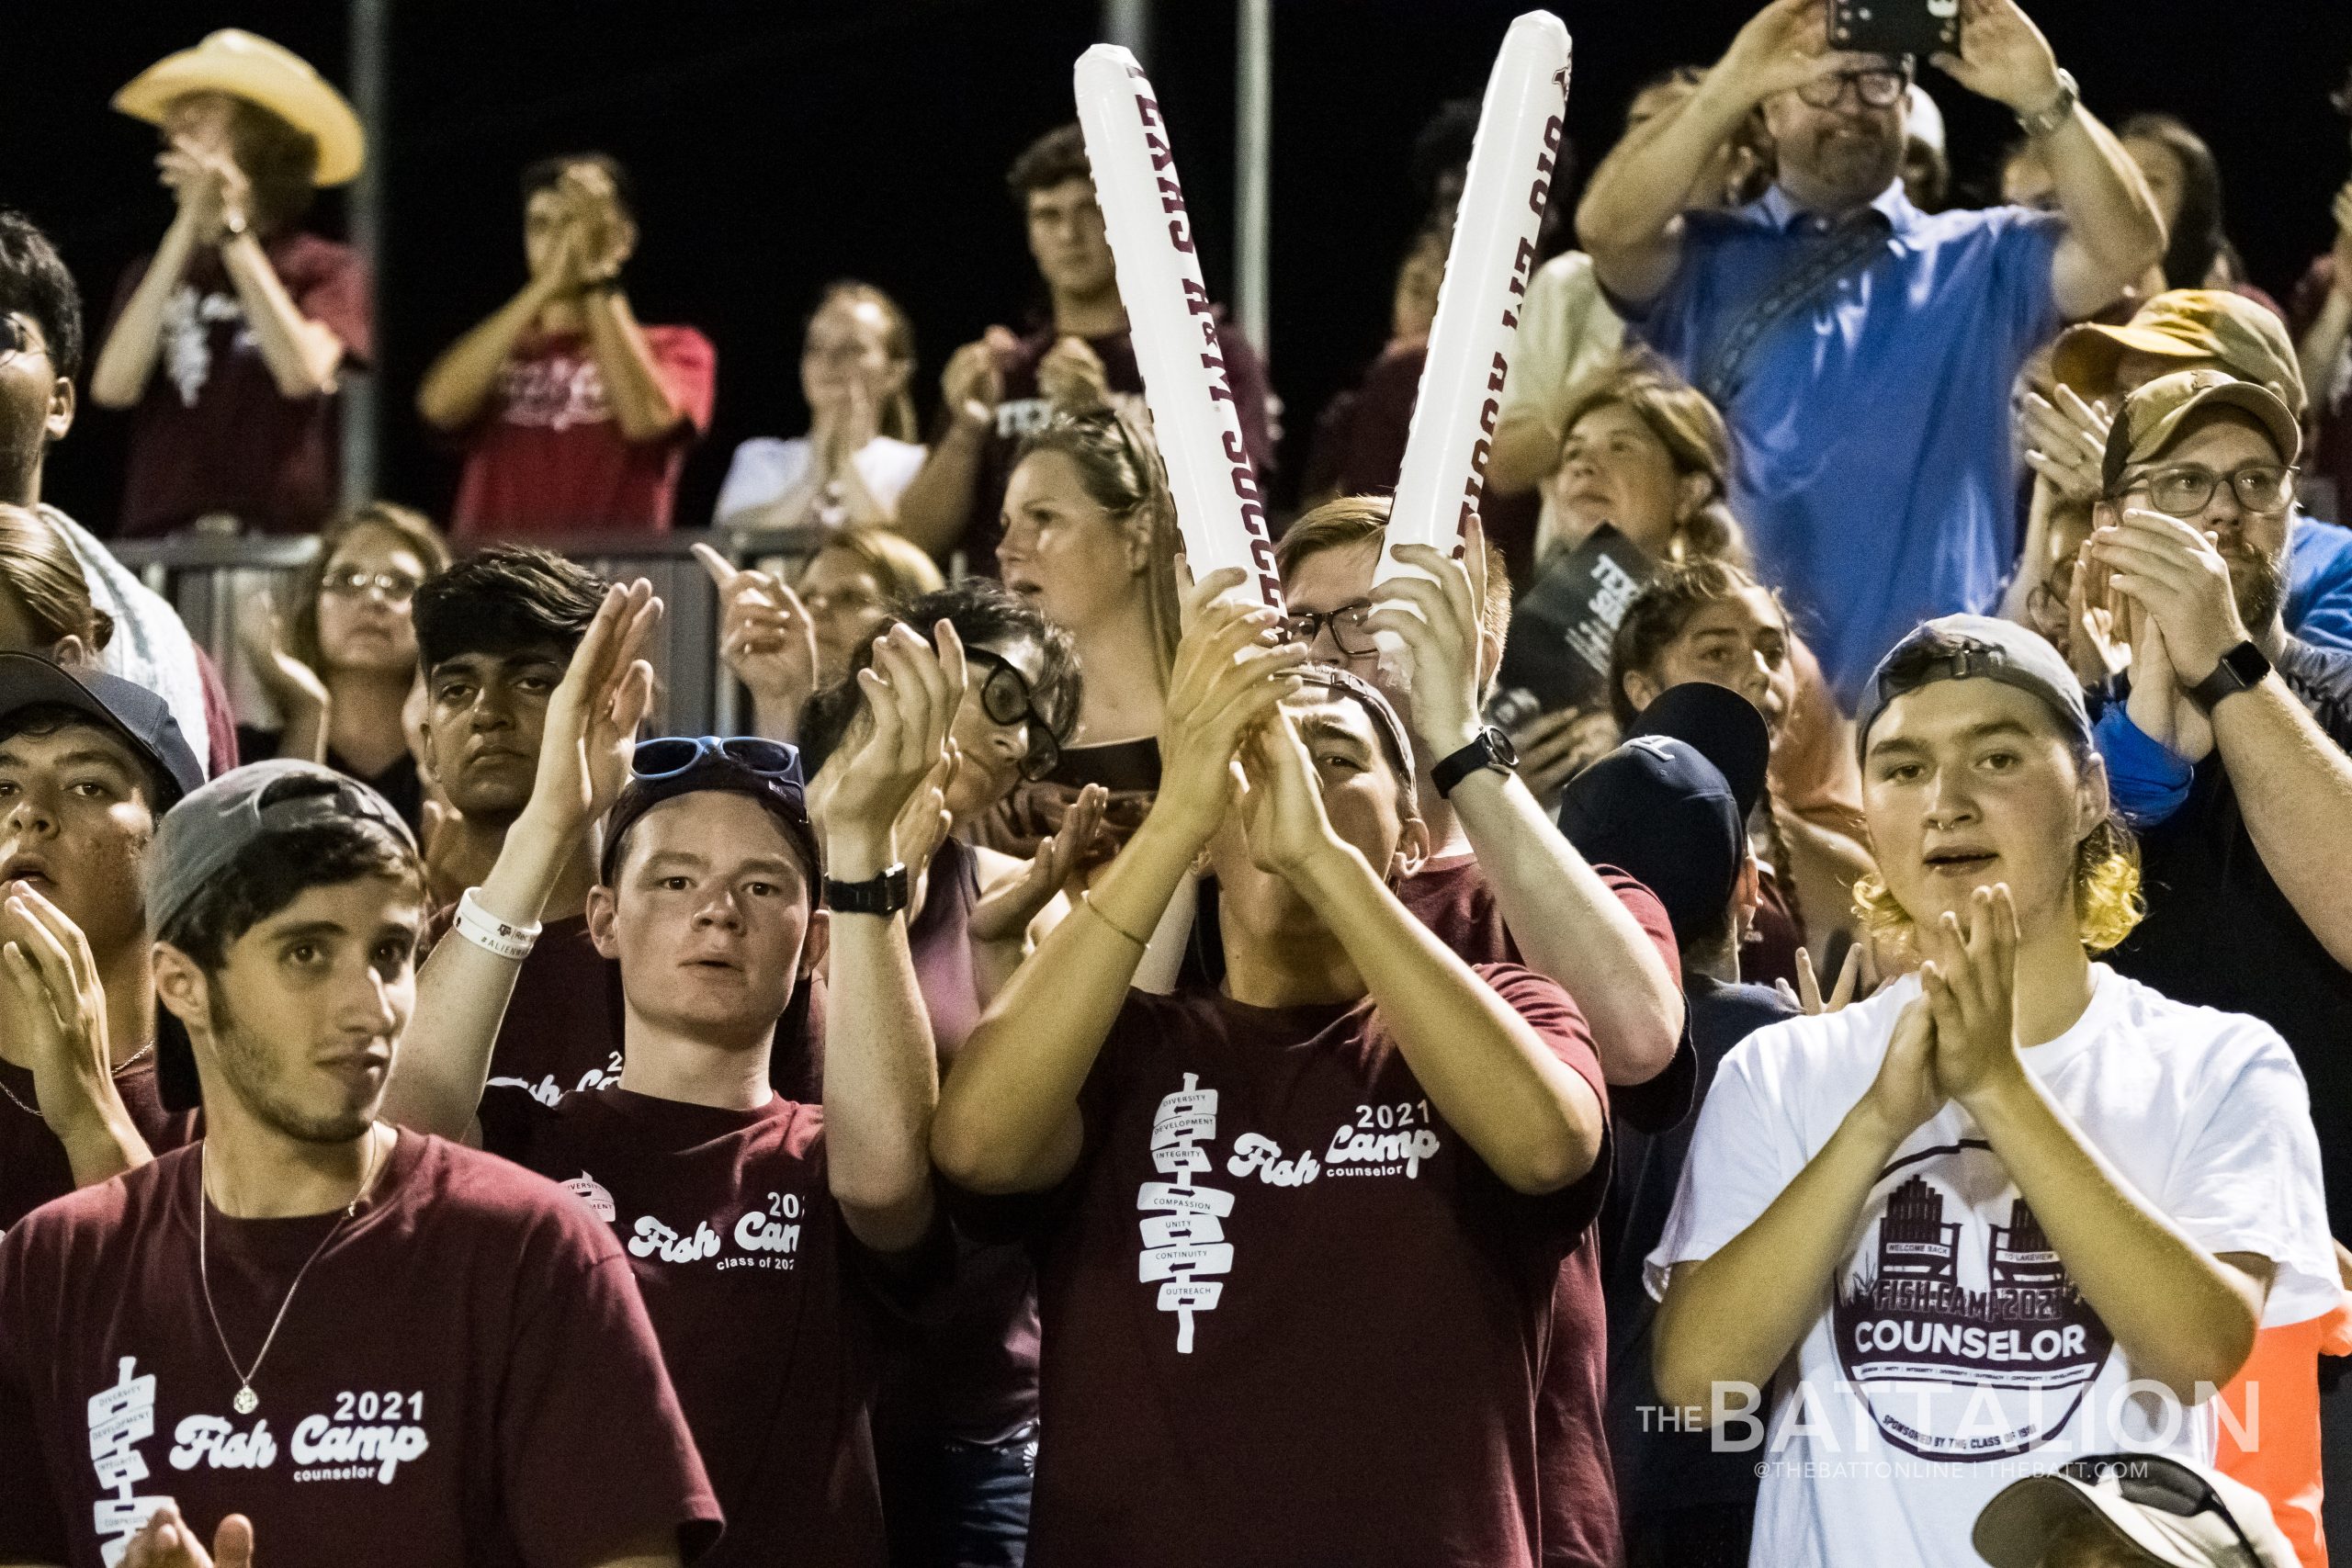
column 490, row 933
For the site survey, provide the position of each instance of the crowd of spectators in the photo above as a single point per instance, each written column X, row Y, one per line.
column 1788, row 1003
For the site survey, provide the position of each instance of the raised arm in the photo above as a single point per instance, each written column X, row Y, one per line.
column 766, row 640
column 1631, row 219
column 936, row 506
column 460, row 383
column 128, row 356
column 2321, row 344
column 56, row 1014
column 462, row 993
column 881, row 1064
column 1008, row 1115
column 2182, row 1316
column 2113, row 232
column 1568, row 923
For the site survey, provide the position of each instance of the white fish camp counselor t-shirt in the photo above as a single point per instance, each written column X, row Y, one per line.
column 1952, row 1353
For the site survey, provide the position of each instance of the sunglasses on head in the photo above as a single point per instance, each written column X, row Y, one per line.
column 671, row 755
column 1006, row 698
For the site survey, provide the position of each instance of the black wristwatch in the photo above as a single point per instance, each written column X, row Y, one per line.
column 1492, row 749
column 2241, row 667
column 885, row 893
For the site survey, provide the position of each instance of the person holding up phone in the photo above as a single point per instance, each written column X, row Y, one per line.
column 1841, row 330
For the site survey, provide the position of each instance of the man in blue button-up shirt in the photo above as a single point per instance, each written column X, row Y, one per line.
column 1871, row 411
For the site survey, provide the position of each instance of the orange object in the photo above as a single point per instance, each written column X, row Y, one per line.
column 2274, row 1404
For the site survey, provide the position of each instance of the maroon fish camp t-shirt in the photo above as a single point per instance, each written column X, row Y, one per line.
column 564, row 1022
column 1289, row 1316
column 760, row 1297
column 33, row 1167
column 465, row 1379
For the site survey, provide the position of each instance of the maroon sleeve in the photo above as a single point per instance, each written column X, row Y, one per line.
column 335, row 291
column 1555, row 1221
column 511, row 1120
column 593, row 1452
column 1252, row 396
column 218, row 716
column 32, row 1517
column 689, row 367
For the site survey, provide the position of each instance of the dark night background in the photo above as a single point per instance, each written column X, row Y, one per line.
column 778, row 145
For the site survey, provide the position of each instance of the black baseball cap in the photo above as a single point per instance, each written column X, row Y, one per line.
column 1721, row 726
column 133, row 715
column 768, row 772
column 1656, row 809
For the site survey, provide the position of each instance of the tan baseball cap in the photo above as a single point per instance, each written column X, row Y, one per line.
column 2153, row 416
column 2170, row 1513
column 246, row 65
column 2185, row 323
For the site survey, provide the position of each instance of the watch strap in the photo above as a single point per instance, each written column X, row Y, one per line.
column 1490, row 748
column 886, row 892
column 2240, row 668
column 2041, row 122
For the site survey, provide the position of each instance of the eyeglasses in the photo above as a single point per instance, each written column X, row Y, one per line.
column 16, row 338
column 1878, row 89
column 2184, row 491
column 2152, row 1481
column 398, row 587
column 671, row 755
column 1005, row 697
column 1346, row 624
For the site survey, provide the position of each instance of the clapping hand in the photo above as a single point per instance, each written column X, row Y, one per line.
column 60, row 1016
column 293, row 685
column 167, row 1541
column 1071, row 375
column 2064, row 440
column 1281, row 801
column 973, row 382
column 765, row 636
column 1807, row 998
column 1005, row 910
column 911, row 692
column 210, row 187
column 1968, row 977
column 591, row 730
column 606, row 234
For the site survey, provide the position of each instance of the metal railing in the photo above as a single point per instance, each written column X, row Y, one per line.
column 207, row 578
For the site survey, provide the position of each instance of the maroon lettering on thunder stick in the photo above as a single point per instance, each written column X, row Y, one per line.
column 1487, row 268
column 1220, row 509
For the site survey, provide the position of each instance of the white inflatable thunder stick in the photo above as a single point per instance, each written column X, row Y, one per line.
column 1198, row 426
column 1487, row 273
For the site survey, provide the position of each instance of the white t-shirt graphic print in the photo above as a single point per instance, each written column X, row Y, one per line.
column 1952, row 1352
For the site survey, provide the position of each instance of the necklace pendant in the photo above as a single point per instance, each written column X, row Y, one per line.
column 246, row 1402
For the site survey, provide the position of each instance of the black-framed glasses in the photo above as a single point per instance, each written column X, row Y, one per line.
column 398, row 587
column 16, row 338
column 2152, row 1481
column 1006, row 698
column 2184, row 491
column 1878, row 87
column 668, row 756
column 1346, row 624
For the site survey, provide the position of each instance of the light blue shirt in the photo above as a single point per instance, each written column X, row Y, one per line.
column 1872, row 464
column 2319, row 582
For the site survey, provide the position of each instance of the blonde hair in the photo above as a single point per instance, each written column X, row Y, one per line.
column 1364, row 520
column 898, row 563
column 898, row 416
column 1119, row 468
column 410, row 527
column 2106, row 893
column 43, row 575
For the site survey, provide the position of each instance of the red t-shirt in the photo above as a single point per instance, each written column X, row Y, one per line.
column 33, row 1167
column 764, row 1301
column 465, row 1378
column 546, row 458
column 1578, row 1486
column 1289, row 1318
column 212, row 432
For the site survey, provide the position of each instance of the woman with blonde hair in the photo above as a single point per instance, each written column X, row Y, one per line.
column 1645, row 451
column 44, row 599
column 857, row 355
column 340, row 664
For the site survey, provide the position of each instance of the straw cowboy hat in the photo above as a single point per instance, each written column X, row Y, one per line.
column 249, row 67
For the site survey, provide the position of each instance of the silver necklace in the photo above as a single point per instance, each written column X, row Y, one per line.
column 247, row 1401
column 136, row 1057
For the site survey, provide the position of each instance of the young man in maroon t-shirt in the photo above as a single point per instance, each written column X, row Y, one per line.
column 340, row 1341
column 1304, row 1233
column 1005, row 386
column 766, row 1236
column 87, row 764
column 576, row 418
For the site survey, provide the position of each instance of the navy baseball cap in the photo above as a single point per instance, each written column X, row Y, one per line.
column 768, row 772
column 1721, row 726
column 1656, row 809
column 211, row 830
column 1966, row 648
column 133, row 715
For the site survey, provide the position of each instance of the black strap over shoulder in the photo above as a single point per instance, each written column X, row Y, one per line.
column 1821, row 263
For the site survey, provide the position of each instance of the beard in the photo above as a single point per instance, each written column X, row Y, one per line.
column 255, row 1073
column 2258, row 583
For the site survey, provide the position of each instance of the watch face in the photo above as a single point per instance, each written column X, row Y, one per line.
column 2245, row 664
column 1504, row 752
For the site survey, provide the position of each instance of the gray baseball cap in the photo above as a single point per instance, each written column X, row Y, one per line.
column 210, row 830
column 1962, row 648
